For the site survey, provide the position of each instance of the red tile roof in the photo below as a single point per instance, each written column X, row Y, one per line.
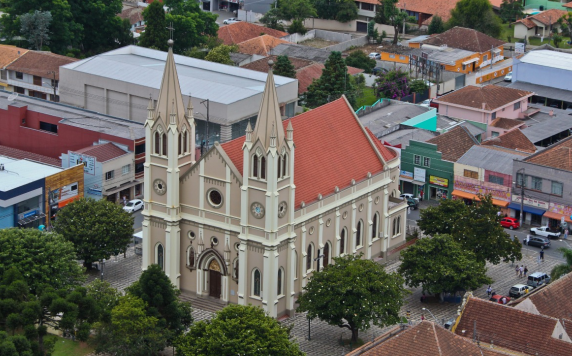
column 514, row 139
column 504, row 123
column 454, row 144
column 243, row 31
column 104, row 152
column 20, row 154
column 261, row 45
column 307, row 74
column 548, row 17
column 558, row 290
column 493, row 96
column 332, row 148
column 556, row 156
column 134, row 14
column 442, row 8
column 464, row 38
column 40, row 63
column 568, row 4
column 8, row 54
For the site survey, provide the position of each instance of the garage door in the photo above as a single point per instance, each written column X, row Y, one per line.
column 361, row 27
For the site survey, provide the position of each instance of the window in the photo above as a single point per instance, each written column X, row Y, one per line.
column 397, row 226
column 160, row 255
column 374, row 226
column 536, row 183
column 37, row 80
column 343, row 241
column 367, row 7
column 494, row 116
column 255, row 166
column 557, row 188
column 185, row 142
column 417, row 159
column 426, row 161
column 494, row 134
column 109, row 175
column 516, row 106
column 139, row 167
column 284, row 160
column 296, row 264
column 125, row 169
column 326, row 254
column 164, row 142
column 46, row 126
column 359, row 229
column 309, row 256
column 19, row 75
column 140, row 149
column 280, row 289
column 157, row 143
column 496, row 179
column 214, row 198
column 235, row 269
column 520, row 181
column 279, row 166
column 191, row 257
column 464, row 67
column 3, row 74
column 180, row 143
column 263, row 168
column 471, row 174
column 256, row 283
column 19, row 90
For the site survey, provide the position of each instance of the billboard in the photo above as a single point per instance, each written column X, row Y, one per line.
column 419, row 174
column 64, row 193
column 87, row 161
column 406, row 175
column 443, row 182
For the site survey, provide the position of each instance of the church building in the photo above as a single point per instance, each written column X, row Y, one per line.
column 252, row 219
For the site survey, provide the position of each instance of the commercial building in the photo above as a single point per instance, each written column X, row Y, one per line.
column 120, row 82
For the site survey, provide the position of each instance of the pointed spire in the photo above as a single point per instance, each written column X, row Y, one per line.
column 190, row 108
column 273, row 137
column 248, row 132
column 150, row 109
column 170, row 91
column 290, row 131
column 269, row 114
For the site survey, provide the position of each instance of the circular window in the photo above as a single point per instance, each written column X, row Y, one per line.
column 214, row 241
column 191, row 235
column 376, row 201
column 311, row 230
column 237, row 246
column 345, row 215
column 328, row 222
column 214, row 198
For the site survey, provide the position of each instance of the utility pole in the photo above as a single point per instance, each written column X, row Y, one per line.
column 521, row 193
column 206, row 145
column 404, row 20
column 492, row 56
column 54, row 84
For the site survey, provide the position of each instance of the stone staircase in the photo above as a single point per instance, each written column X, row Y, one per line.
column 207, row 304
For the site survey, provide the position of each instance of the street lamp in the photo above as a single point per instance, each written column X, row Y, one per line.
column 437, row 321
column 102, row 263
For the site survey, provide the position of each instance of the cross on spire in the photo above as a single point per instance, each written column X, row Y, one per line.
column 171, row 29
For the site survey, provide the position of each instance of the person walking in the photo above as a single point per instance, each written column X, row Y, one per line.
column 566, row 234
column 525, row 270
column 521, row 271
column 527, row 239
column 517, row 270
column 542, row 255
column 422, row 317
column 489, row 291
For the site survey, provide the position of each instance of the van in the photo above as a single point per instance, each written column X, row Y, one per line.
column 518, row 290
column 537, row 279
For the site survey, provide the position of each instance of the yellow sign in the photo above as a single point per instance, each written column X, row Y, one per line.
column 3, row 85
column 443, row 182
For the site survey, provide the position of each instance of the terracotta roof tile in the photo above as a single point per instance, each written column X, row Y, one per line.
column 558, row 290
column 104, row 152
column 306, row 75
column 243, row 31
column 511, row 328
column 20, row 154
column 496, row 3
column 514, row 139
column 387, row 153
column 557, row 156
column 134, row 14
column 454, row 144
column 260, row 45
column 492, row 96
column 324, row 130
column 442, row 8
column 464, row 38
column 8, row 54
column 504, row 123
column 40, row 63
column 568, row 4
column 548, row 17
column 261, row 65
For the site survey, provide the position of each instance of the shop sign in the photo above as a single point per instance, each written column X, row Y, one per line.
column 443, row 182
column 406, row 174
column 87, row 161
column 27, row 214
column 560, row 209
column 419, row 174
column 482, row 188
column 63, row 193
column 94, row 191
column 531, row 202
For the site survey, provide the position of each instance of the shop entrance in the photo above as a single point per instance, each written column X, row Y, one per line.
column 437, row 193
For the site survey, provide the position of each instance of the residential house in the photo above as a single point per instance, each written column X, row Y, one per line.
column 37, row 74
column 546, row 177
column 243, row 31
column 367, row 9
column 261, row 45
column 539, row 25
column 500, row 125
column 488, row 48
column 483, row 104
column 8, row 54
column 423, row 10
column 484, row 170
column 513, row 140
column 135, row 16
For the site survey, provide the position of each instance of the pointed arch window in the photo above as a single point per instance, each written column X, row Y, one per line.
column 160, row 257
column 284, row 160
column 262, row 168
column 295, row 264
column 256, row 283
column 359, row 229
column 343, row 235
column 235, row 269
column 164, row 142
column 280, row 282
column 180, row 144
column 157, row 143
column 191, row 257
column 309, row 257
column 326, row 254
column 279, row 166
column 374, row 226
column 185, row 142
column 255, row 166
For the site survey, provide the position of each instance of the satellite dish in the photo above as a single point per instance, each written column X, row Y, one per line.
column 12, row 97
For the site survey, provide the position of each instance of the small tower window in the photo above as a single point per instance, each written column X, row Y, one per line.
column 180, row 143
column 263, row 168
column 160, row 256
column 256, row 283
column 164, row 141
column 255, row 166
column 279, row 166
column 284, row 159
column 157, row 143
column 343, row 241
column 185, row 142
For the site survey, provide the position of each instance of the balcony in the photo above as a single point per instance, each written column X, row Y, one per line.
column 21, row 84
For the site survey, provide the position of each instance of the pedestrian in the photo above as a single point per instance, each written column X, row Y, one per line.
column 489, row 291
column 527, row 239
column 422, row 317
column 542, row 255
column 503, row 300
column 499, row 213
column 124, row 200
column 566, row 234
column 525, row 270
column 517, row 270
column 521, row 271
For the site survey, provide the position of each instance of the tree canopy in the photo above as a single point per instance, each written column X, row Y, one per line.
column 511, row 10
column 35, row 27
column 156, row 33
column 221, row 54
column 358, row 59
column 564, row 268
column 97, row 228
column 193, row 26
column 476, row 14
column 353, row 293
column 387, row 13
column 238, row 330
column 284, row 67
column 441, row 265
column 436, row 25
column 339, row 10
column 296, row 9
column 272, row 19
column 393, row 84
column 566, row 23
column 332, row 84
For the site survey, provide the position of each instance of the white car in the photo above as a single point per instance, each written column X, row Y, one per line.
column 133, row 205
column 231, row 21
column 375, row 55
column 508, row 77
column 545, row 231
column 408, row 195
column 426, row 103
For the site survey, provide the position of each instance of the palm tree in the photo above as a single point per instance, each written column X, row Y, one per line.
column 560, row 270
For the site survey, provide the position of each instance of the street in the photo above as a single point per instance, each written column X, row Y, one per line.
column 138, row 220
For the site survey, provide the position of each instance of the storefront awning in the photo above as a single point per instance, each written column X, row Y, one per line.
column 557, row 216
column 465, row 195
column 526, row 208
column 411, row 181
column 471, row 61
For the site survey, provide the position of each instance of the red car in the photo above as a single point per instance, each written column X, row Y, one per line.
column 511, row 223
column 497, row 298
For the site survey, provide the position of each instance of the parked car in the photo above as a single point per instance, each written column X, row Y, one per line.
column 426, row 103
column 545, row 231
column 230, row 21
column 449, row 323
column 510, row 223
column 538, row 241
column 497, row 298
column 508, row 77
column 408, row 196
column 537, row 279
column 133, row 205
column 378, row 70
column 375, row 55
column 518, row 290
column 412, row 203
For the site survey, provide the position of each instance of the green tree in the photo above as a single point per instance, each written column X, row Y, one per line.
column 441, row 265
column 35, row 27
column 418, row 86
column 339, row 10
column 353, row 293
column 161, row 297
column 393, row 85
column 43, row 258
column 97, row 228
column 105, row 298
column 511, row 10
column 297, row 26
column 358, row 59
column 221, row 54
column 436, row 25
column 284, row 67
column 193, row 26
column 566, row 23
column 298, row 10
column 387, row 13
column 272, row 19
column 238, row 330
column 476, row 14
column 156, row 33
column 332, row 84
column 441, row 219
column 564, row 268
column 557, row 40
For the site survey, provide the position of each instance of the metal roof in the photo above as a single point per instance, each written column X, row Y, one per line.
column 17, row 173
column 299, row 51
column 549, row 126
column 491, row 159
column 402, row 137
column 382, row 119
column 203, row 79
column 445, row 55
column 541, row 90
column 547, row 58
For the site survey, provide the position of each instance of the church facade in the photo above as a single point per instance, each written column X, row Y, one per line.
column 252, row 219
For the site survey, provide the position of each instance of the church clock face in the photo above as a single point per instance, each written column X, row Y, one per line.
column 257, row 210
column 282, row 207
column 159, row 186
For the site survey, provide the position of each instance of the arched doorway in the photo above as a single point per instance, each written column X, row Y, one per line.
column 214, row 278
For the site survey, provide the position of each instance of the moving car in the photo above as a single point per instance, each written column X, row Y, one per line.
column 133, row 205
column 518, row 290
column 537, row 279
column 408, row 196
column 230, row 21
column 497, row 298
column 510, row 223
column 538, row 241
column 378, row 70
column 375, row 55
column 545, row 231
column 412, row 203
column 508, row 77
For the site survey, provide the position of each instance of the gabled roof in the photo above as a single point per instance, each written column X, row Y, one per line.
column 492, row 96
column 548, row 17
column 557, row 156
column 514, row 140
column 491, row 159
column 559, row 290
column 104, row 152
column 332, row 148
column 425, row 339
column 20, row 154
column 505, row 124
column 511, row 328
column 260, row 45
column 441, row 8
column 454, row 144
column 243, row 31
column 307, row 74
column 8, row 54
column 40, row 63
column 464, row 38
column 134, row 14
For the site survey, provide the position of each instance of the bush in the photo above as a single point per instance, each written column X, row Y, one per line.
column 297, row 27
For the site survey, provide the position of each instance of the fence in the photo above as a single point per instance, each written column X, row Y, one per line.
column 357, row 42
column 366, row 109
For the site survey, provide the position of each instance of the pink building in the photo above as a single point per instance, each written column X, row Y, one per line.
column 484, row 104
column 501, row 125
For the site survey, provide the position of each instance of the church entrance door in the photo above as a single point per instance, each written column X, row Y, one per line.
column 214, row 279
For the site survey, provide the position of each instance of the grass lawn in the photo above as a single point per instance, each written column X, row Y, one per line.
column 535, row 41
column 366, row 98
column 66, row 347
column 506, row 32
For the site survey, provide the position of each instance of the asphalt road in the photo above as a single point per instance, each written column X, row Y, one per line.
column 138, row 222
